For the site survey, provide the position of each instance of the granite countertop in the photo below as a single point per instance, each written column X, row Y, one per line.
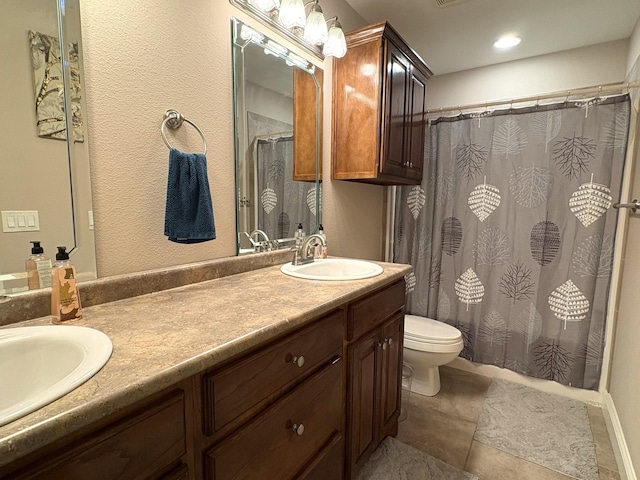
column 162, row 338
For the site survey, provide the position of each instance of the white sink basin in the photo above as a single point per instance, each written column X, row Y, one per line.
column 41, row 364
column 333, row 269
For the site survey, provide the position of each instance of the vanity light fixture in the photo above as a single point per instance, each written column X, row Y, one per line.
column 336, row 45
column 321, row 37
column 507, row 41
column 266, row 5
column 315, row 30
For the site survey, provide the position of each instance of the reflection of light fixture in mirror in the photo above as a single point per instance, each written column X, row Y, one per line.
column 275, row 49
column 289, row 18
column 336, row 45
column 266, row 5
column 296, row 61
column 248, row 33
column 292, row 14
column 315, row 31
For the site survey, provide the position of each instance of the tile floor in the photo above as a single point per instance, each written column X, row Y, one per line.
column 443, row 426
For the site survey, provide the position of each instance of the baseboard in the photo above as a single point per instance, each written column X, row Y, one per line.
column 618, row 442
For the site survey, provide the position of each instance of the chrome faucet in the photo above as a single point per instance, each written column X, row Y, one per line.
column 301, row 254
column 260, row 246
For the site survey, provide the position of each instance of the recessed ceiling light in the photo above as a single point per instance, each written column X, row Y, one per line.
column 507, row 41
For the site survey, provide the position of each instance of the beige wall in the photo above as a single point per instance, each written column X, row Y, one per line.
column 571, row 69
column 143, row 57
column 623, row 381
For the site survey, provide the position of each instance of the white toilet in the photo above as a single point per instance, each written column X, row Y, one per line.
column 428, row 344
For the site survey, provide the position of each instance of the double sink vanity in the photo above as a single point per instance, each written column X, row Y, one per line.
column 228, row 369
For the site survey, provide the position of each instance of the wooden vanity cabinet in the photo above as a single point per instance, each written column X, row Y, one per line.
column 309, row 405
column 379, row 109
column 147, row 441
column 278, row 412
column 375, row 332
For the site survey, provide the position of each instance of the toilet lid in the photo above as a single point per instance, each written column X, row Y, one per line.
column 429, row 330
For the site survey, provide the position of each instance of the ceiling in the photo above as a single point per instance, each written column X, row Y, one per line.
column 460, row 36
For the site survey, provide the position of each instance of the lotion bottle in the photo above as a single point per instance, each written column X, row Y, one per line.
column 38, row 268
column 65, row 299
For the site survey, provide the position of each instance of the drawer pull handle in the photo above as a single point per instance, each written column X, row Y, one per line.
column 298, row 429
column 298, row 361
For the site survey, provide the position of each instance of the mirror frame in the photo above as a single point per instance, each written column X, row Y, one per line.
column 295, row 61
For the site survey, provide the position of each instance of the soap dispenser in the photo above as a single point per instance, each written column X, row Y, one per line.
column 38, row 268
column 65, row 299
column 321, row 250
column 299, row 235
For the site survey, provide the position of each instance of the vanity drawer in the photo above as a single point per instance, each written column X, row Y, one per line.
column 235, row 393
column 366, row 314
column 268, row 447
column 138, row 446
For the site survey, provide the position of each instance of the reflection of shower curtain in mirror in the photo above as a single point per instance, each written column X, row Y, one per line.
column 282, row 202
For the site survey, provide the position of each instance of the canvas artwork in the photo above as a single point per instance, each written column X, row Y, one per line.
column 49, row 88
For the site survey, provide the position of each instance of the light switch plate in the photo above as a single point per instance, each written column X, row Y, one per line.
column 20, row 221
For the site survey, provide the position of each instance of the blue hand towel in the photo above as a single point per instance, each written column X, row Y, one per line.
column 189, row 212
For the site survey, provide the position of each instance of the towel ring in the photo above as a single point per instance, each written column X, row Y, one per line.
column 174, row 119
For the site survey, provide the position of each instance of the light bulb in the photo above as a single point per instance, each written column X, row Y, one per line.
column 292, row 14
column 315, row 32
column 336, row 45
column 508, row 41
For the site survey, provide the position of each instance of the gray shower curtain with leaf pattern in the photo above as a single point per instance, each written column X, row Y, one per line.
column 511, row 234
column 284, row 202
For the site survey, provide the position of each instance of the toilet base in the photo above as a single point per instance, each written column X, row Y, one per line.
column 427, row 382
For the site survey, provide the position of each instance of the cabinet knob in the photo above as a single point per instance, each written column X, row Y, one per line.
column 298, row 429
column 383, row 345
column 298, row 361
column 390, row 341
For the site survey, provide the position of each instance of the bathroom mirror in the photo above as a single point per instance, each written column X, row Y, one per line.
column 45, row 191
column 278, row 118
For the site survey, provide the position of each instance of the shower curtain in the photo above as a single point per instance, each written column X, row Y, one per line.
column 511, row 234
column 284, row 202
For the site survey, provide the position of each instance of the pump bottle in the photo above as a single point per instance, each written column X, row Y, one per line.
column 38, row 267
column 65, row 299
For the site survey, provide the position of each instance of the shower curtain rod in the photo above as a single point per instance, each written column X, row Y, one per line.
column 611, row 87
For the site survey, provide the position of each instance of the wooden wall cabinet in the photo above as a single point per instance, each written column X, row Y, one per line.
column 375, row 330
column 379, row 109
column 307, row 124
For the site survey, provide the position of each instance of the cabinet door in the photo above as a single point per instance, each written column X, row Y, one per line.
column 391, row 376
column 416, row 128
column 364, row 367
column 307, row 124
column 397, row 89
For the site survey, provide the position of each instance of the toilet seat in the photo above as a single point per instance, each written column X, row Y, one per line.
column 430, row 335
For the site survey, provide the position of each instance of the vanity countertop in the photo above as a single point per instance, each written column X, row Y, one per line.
column 162, row 338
